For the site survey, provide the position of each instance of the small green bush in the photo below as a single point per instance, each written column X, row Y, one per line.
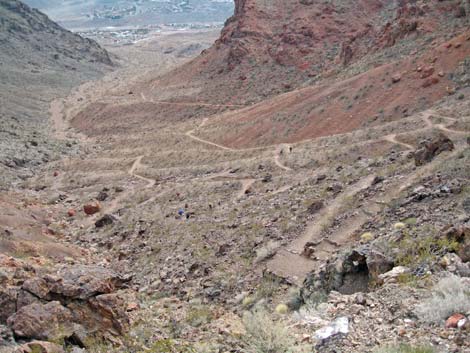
column 415, row 249
column 263, row 335
column 199, row 315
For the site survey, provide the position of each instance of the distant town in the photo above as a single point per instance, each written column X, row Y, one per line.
column 127, row 36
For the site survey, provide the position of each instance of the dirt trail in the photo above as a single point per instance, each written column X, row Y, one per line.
column 393, row 139
column 116, row 203
column 190, row 104
column 290, row 264
column 190, row 135
column 246, row 185
column 427, row 119
column 277, row 151
column 277, row 155
column 138, row 163
column 59, row 124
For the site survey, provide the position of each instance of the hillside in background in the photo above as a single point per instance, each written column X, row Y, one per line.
column 39, row 60
column 359, row 61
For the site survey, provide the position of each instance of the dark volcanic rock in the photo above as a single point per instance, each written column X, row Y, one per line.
column 73, row 303
column 432, row 148
column 7, row 303
column 42, row 321
column 350, row 273
column 315, row 206
column 105, row 221
column 80, row 282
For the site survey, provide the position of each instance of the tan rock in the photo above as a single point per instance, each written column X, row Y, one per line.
column 39, row 347
column 452, row 321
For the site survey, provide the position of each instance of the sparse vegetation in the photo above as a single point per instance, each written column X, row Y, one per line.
column 267, row 251
column 415, row 249
column 199, row 315
column 450, row 295
column 264, row 335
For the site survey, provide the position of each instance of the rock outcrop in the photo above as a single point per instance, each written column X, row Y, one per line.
column 431, row 148
column 72, row 304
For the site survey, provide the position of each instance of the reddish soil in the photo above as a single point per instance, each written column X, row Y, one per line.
column 314, row 69
column 344, row 105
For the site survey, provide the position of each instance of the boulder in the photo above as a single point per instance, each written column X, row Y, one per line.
column 348, row 274
column 25, row 298
column 427, row 72
column 91, row 208
column 39, row 347
column 432, row 148
column 103, row 315
column 8, row 298
column 396, row 78
column 112, row 309
column 453, row 320
column 461, row 234
column 6, row 336
column 393, row 275
column 79, row 282
column 102, row 196
column 315, row 206
column 49, row 321
column 106, row 220
column 431, row 81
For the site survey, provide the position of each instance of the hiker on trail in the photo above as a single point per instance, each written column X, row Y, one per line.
column 290, row 149
column 181, row 212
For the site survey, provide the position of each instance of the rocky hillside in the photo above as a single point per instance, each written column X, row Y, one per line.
column 271, row 47
column 355, row 62
column 300, row 187
column 39, row 60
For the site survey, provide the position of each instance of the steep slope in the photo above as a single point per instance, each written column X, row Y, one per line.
column 39, row 60
column 356, row 62
column 206, row 229
column 271, row 47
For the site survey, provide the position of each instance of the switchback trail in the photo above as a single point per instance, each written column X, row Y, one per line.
column 138, row 163
column 393, row 139
column 191, row 104
column 277, row 155
column 289, row 262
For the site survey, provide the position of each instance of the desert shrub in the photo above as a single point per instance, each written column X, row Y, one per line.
column 415, row 249
column 267, row 251
column 450, row 295
column 199, row 315
column 405, row 348
column 263, row 335
column 267, row 287
column 295, row 299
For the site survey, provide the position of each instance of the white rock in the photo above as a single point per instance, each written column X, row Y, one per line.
column 392, row 275
column 340, row 325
